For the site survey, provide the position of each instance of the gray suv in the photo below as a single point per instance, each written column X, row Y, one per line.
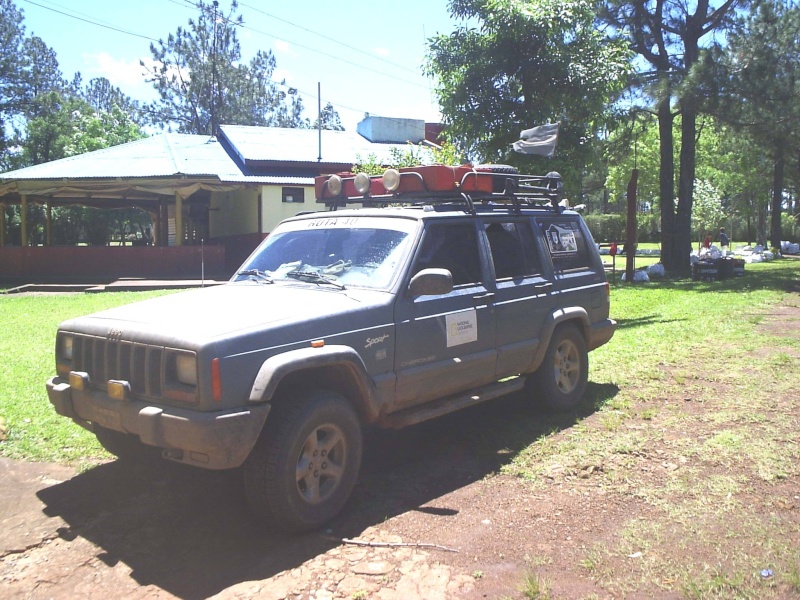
column 447, row 287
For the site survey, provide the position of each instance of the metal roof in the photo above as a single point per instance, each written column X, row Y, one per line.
column 275, row 144
column 163, row 155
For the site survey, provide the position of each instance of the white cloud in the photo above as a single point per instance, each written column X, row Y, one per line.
column 382, row 52
column 120, row 72
column 282, row 46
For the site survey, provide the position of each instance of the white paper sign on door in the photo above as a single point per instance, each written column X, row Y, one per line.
column 462, row 327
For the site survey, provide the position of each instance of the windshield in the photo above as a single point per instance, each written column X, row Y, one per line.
column 342, row 251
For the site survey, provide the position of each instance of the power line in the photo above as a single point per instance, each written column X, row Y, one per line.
column 91, row 22
column 330, row 39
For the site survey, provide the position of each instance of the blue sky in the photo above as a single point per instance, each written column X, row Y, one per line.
column 367, row 59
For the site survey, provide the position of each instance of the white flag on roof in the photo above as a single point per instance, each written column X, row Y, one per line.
column 541, row 140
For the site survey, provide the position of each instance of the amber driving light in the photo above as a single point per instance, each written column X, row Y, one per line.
column 78, row 380
column 334, row 185
column 118, row 390
column 362, row 183
column 391, row 180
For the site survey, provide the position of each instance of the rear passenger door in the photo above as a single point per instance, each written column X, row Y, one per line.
column 446, row 344
column 579, row 279
column 522, row 294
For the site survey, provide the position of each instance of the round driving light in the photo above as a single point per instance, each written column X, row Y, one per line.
column 334, row 185
column 391, row 180
column 362, row 183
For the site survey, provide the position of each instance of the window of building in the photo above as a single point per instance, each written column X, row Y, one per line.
column 294, row 194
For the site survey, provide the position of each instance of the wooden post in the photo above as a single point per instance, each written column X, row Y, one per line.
column 23, row 220
column 630, row 230
column 49, row 224
column 178, row 219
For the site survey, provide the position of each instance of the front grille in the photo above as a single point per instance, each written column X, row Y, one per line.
column 139, row 364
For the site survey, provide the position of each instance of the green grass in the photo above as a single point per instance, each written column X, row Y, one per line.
column 697, row 419
column 29, row 427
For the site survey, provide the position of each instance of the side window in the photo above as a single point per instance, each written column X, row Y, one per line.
column 451, row 246
column 513, row 249
column 565, row 243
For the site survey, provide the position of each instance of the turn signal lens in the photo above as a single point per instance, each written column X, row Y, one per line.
column 216, row 381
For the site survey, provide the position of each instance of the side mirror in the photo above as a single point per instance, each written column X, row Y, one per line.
column 431, row 282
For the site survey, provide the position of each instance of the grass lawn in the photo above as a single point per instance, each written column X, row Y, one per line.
column 29, row 427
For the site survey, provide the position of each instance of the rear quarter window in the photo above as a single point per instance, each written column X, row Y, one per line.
column 565, row 242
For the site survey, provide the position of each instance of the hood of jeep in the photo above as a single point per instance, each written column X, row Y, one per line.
column 199, row 316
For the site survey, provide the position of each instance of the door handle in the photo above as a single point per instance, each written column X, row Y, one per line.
column 483, row 298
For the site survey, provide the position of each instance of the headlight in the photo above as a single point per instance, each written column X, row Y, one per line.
column 65, row 349
column 186, row 368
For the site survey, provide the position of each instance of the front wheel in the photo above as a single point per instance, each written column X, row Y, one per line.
column 303, row 468
column 561, row 379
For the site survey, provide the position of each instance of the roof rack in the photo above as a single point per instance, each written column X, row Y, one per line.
column 440, row 184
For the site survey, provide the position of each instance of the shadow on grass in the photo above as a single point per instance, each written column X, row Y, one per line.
column 188, row 531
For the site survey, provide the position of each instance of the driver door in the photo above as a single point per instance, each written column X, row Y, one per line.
column 446, row 344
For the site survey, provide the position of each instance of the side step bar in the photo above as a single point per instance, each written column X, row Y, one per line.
column 431, row 410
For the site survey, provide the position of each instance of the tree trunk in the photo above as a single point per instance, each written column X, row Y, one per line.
column 666, row 185
column 777, row 196
column 683, row 219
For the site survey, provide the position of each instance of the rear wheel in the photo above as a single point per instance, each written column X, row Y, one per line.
column 303, row 468
column 560, row 382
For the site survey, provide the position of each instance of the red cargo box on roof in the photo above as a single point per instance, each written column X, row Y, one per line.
column 441, row 178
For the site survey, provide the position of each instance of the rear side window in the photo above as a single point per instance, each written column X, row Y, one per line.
column 565, row 243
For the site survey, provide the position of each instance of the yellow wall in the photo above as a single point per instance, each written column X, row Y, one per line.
column 236, row 213
column 275, row 210
column 233, row 213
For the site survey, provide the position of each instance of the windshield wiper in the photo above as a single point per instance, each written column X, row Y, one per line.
column 314, row 277
column 256, row 273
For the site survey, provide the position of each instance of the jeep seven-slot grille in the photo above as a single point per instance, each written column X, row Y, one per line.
column 104, row 359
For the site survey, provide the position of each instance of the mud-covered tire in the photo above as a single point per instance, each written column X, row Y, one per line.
column 498, row 182
column 507, row 169
column 126, row 446
column 302, row 470
column 560, row 382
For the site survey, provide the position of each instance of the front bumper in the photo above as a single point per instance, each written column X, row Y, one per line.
column 213, row 440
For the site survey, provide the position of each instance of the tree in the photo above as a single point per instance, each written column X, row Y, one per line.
column 667, row 34
column 202, row 84
column 12, row 36
column 527, row 62
column 329, row 119
column 758, row 82
column 103, row 96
